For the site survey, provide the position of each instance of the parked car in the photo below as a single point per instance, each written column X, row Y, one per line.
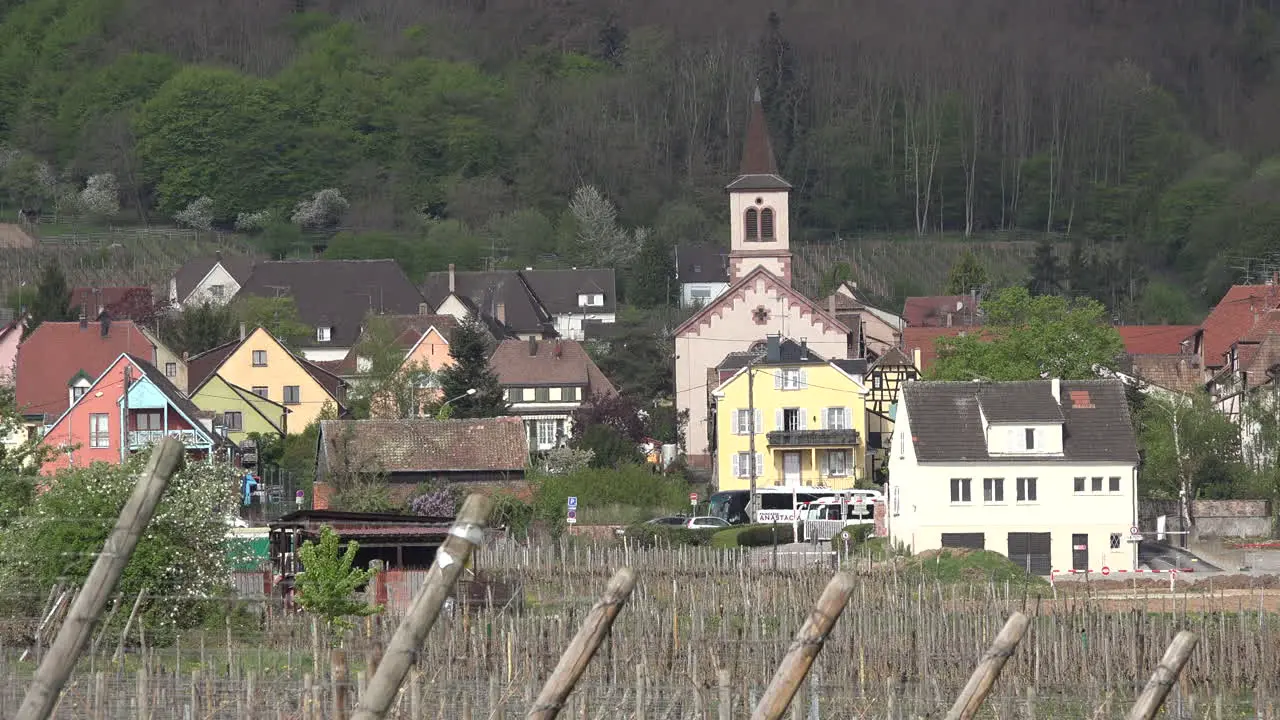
column 706, row 522
column 670, row 521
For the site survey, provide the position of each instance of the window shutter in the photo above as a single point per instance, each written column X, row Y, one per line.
column 759, row 420
column 777, row 420
column 804, row 419
column 804, row 378
column 777, row 379
column 1013, row 440
column 826, row 463
column 759, row 464
column 737, row 466
column 848, row 418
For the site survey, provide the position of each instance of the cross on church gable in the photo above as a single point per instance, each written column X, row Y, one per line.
column 760, row 315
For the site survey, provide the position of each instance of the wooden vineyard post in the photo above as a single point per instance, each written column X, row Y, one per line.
column 804, row 648
column 467, row 534
column 988, row 670
column 1166, row 674
column 725, row 709
column 576, row 657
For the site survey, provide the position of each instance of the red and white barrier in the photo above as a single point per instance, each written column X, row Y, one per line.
column 1106, row 572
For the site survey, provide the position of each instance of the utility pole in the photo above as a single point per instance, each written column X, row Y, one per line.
column 124, row 420
column 51, row 676
column 751, row 437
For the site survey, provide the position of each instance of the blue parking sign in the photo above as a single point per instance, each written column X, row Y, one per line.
column 573, row 502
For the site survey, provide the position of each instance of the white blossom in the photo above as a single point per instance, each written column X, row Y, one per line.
column 198, row 215
column 254, row 221
column 323, row 209
column 601, row 242
column 101, row 195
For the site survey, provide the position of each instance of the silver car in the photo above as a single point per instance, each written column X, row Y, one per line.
column 706, row 522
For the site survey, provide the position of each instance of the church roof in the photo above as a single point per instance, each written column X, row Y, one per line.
column 759, row 168
column 731, row 295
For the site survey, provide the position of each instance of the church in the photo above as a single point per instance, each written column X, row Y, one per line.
column 760, row 300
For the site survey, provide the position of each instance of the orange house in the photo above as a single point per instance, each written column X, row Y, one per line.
column 97, row 427
column 424, row 340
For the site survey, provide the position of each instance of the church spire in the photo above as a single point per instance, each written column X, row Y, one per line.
column 757, row 150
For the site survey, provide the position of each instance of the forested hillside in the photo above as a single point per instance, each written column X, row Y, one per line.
column 1143, row 132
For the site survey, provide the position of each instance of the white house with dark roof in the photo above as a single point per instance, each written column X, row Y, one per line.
column 1044, row 472
column 703, row 274
column 216, row 279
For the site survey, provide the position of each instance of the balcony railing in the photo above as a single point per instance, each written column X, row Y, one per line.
column 813, row 438
column 144, row 438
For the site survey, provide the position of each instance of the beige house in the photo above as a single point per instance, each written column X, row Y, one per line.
column 1044, row 472
column 876, row 331
column 759, row 301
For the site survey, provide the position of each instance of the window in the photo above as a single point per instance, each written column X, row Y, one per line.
column 700, row 295
column 838, row 463
column 542, row 394
column 171, row 369
column 324, row 334
column 1079, row 486
column 960, row 490
column 215, row 292
column 78, row 392
column 742, row 422
column 790, row 379
column 148, row 421
column 791, row 419
column 591, row 300
column 766, row 224
column 1031, row 438
column 233, row 421
column 1026, row 489
column 259, row 358
column 99, row 431
column 877, row 381
column 993, row 490
column 260, row 390
column 549, row 432
column 292, row 395
column 1115, row 541
column 753, row 224
column 897, row 500
column 838, row 418
column 513, row 394
column 1113, row 484
column 1096, row 484
column 742, row 465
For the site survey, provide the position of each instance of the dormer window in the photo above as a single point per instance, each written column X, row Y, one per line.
column 78, row 392
column 324, row 334
column 1031, row 438
column 591, row 300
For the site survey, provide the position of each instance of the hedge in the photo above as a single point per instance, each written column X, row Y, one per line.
column 753, row 536
column 645, row 535
column 858, row 534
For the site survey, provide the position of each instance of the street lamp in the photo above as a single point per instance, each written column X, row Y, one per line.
column 470, row 391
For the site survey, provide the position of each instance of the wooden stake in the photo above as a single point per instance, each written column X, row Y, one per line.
column 46, row 686
column 804, row 648
column 726, row 700
column 576, row 657
column 1166, row 674
column 984, row 676
column 451, row 558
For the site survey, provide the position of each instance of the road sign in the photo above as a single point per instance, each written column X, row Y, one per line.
column 1136, row 537
column 1106, row 570
column 1133, row 530
column 573, row 516
column 693, row 498
column 844, row 535
column 573, row 502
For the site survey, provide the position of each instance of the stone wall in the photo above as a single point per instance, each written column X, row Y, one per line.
column 1213, row 518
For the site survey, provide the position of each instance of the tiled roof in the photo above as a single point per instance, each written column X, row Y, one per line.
column 925, row 339
column 337, row 293
column 485, row 291
column 853, row 366
column 407, row 329
column 702, row 264
column 515, row 365
column 201, row 367
column 1233, row 317
column 892, row 357
column 758, row 169
column 491, row 444
column 1156, row 339
column 194, row 270
column 119, row 302
column 932, row 311
column 947, row 427
column 558, row 290
column 1018, row 402
column 1177, row 372
column 56, row 351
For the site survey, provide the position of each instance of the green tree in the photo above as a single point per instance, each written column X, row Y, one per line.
column 469, row 348
column 653, row 279
column 279, row 315
column 53, row 299
column 197, row 328
column 967, row 275
column 1047, row 273
column 327, row 585
column 1028, row 337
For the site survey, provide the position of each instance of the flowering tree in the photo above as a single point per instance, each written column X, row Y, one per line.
column 254, row 221
column 181, row 559
column 601, row 242
column 327, row 585
column 100, row 196
column 322, row 210
column 440, row 501
column 198, row 215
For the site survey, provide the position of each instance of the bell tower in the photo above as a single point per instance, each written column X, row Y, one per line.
column 758, row 206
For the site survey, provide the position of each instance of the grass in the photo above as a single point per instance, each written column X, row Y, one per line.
column 957, row 566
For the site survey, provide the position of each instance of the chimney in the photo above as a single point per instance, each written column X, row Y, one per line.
column 185, row 355
column 559, row 349
column 105, row 321
column 773, row 351
column 500, row 312
column 84, row 319
column 1055, row 387
column 831, row 305
column 533, row 346
column 452, row 282
column 241, row 332
column 423, row 309
column 804, row 349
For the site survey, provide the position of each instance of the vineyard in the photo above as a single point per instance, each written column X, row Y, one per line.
column 903, row 647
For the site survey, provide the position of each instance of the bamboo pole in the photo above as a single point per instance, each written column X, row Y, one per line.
column 576, row 657
column 988, row 670
column 804, row 648
column 1165, row 675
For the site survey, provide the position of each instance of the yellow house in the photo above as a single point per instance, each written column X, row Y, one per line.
column 241, row 411
column 267, row 369
column 809, row 421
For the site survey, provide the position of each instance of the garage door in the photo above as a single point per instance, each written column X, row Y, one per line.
column 1030, row 551
column 963, row 540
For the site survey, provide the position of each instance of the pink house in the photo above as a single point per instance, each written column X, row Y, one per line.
column 96, row 428
column 10, row 336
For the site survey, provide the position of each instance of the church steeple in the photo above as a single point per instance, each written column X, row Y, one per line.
column 758, row 216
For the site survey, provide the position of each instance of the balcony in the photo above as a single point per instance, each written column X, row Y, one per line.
column 812, row 438
column 144, row 438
